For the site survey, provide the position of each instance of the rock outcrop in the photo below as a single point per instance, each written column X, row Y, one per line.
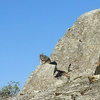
column 42, row 78
column 76, row 54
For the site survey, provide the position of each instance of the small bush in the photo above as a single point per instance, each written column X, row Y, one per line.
column 11, row 89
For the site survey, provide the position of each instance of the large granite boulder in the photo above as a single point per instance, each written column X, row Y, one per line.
column 77, row 54
column 80, row 46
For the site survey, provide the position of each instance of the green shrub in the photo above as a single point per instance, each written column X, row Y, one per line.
column 11, row 89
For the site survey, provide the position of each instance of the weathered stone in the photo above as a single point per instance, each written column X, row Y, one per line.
column 41, row 78
column 78, row 50
column 80, row 46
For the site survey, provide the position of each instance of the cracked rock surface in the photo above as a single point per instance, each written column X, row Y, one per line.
column 78, row 49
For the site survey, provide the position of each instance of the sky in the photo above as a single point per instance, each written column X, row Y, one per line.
column 31, row 27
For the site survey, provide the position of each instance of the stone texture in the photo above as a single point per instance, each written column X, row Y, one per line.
column 80, row 45
column 41, row 78
column 78, row 49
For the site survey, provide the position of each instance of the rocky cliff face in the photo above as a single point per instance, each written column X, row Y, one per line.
column 76, row 54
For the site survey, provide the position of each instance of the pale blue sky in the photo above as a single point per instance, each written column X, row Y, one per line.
column 31, row 27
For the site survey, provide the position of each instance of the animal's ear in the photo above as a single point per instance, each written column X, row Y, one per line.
column 41, row 54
